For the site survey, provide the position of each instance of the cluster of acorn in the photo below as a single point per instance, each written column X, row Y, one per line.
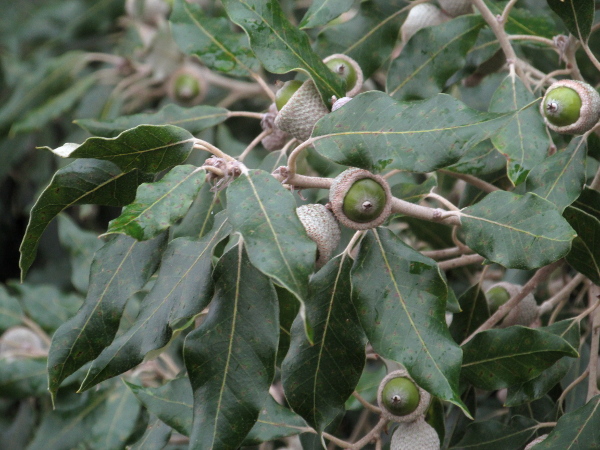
column 402, row 400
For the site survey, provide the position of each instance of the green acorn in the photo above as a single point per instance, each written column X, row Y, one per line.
column 400, row 398
column 285, row 92
column 525, row 313
column 570, row 107
column 348, row 70
column 360, row 199
column 301, row 111
column 322, row 227
column 416, row 435
column 187, row 86
column 455, row 8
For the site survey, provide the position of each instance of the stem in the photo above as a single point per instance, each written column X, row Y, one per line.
column 252, row 115
column 593, row 294
column 366, row 404
column 478, row 183
column 355, row 238
column 539, row 276
column 461, row 261
column 448, row 204
column 570, row 387
column 303, row 181
column 506, row 11
column 549, row 304
column 266, row 89
column 295, row 153
column 203, row 145
column 423, row 212
column 254, row 143
column 367, row 438
column 528, row 37
column 444, row 253
column 590, row 55
column 218, row 172
column 244, row 88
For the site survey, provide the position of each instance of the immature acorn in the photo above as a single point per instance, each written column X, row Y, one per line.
column 526, row 312
column 300, row 110
column 570, row 107
column 348, row 70
column 400, row 398
column 455, row 8
column 421, row 16
column 187, row 86
column 416, row 435
column 360, row 199
column 322, row 227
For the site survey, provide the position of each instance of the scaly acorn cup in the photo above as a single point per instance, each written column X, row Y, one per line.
column 360, row 199
column 421, row 16
column 526, row 312
column 278, row 138
column 301, row 112
column 348, row 70
column 455, row 8
column 322, row 227
column 416, row 435
column 570, row 107
column 400, row 398
column 187, row 86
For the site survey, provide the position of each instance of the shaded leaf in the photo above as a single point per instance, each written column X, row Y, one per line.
column 577, row 429
column 120, row 268
column 496, row 359
column 560, row 177
column 480, row 160
column 322, row 11
column 288, row 310
column 589, row 202
column 81, row 182
column 318, row 378
column 495, row 435
column 182, row 290
column 475, row 311
column 274, row 422
column 193, row 119
column 382, row 133
column 536, row 22
column 585, row 251
column 367, row 386
column 412, row 192
column 279, row 45
column 159, row 205
column 23, row 377
column 156, row 437
column 200, row 217
column 523, row 141
column 431, row 57
column 520, row 232
column 211, row 39
column 11, row 313
column 578, row 15
column 400, row 298
column 230, row 358
column 149, row 148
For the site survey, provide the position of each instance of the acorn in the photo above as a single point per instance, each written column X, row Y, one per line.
column 536, row 441
column 416, row 435
column 400, row 398
column 348, row 70
column 455, row 8
column 322, row 227
column 421, row 16
column 186, row 85
column 570, row 107
column 300, row 112
column 360, row 199
column 526, row 312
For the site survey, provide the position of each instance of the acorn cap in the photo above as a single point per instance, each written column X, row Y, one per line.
column 523, row 314
column 322, row 227
column 455, row 8
column 417, row 435
column 421, row 16
column 302, row 111
column 278, row 138
column 186, row 85
column 418, row 412
column 561, row 110
column 536, row 441
column 351, row 197
column 352, row 90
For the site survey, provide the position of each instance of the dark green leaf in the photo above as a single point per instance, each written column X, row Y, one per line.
column 11, row 313
column 589, row 202
column 288, row 310
column 585, row 251
column 23, row 377
column 377, row 24
column 230, row 358
column 431, row 57
column 576, row 430
column 520, row 232
column 200, row 217
column 323, row 11
column 274, row 422
column 482, row 159
column 120, row 268
column 265, row 214
column 318, row 379
column 149, row 148
column 367, row 386
column 474, row 312
column 578, row 15
column 182, row 290
column 211, row 39
column 279, row 45
column 193, row 119
column 156, row 437
column 81, row 182
column 412, row 192
column 560, row 178
column 379, row 132
column 400, row 298
column 524, row 141
column 159, row 205
column 495, row 435
column 539, row 21
column 496, row 359
column 171, row 403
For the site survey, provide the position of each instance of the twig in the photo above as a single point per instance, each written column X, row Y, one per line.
column 570, row 387
column 593, row 295
column 529, row 37
column 539, row 276
column 254, row 143
column 549, row 304
column 203, row 145
column 374, row 432
column 266, row 89
column 366, row 404
column 461, row 261
column 506, row 11
column 477, row 182
column 560, row 306
column 423, row 212
column 249, row 114
column 444, row 253
column 442, row 200
column 590, row 55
